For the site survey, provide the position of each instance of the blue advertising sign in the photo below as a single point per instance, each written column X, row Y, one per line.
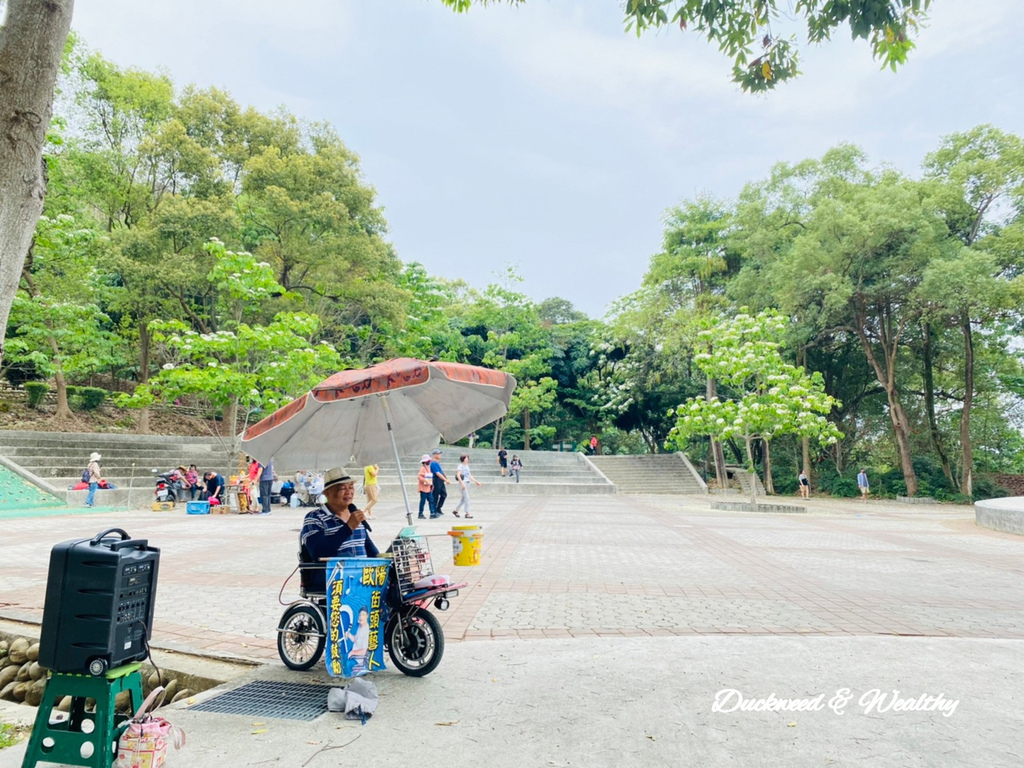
column 355, row 605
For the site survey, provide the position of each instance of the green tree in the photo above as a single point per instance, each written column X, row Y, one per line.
column 985, row 168
column 242, row 366
column 748, row 31
column 772, row 396
column 689, row 277
column 309, row 214
column 855, row 261
column 60, row 327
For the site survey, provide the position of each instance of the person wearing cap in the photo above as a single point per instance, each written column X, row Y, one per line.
column 95, row 475
column 334, row 529
column 440, row 484
column 183, row 483
column 426, row 486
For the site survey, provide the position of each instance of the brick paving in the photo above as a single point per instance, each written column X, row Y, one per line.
column 562, row 567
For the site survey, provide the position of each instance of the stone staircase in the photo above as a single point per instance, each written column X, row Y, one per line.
column 57, row 459
column 651, row 473
column 544, row 472
column 744, row 479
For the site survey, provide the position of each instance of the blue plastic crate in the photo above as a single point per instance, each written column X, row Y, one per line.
column 197, row 508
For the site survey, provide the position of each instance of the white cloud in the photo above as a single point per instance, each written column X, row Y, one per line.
column 965, row 26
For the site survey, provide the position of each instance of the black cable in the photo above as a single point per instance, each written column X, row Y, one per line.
column 149, row 653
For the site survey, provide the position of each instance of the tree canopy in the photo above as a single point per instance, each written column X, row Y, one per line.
column 753, row 33
column 200, row 254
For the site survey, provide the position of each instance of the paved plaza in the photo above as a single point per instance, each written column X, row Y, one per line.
column 556, row 567
column 598, row 631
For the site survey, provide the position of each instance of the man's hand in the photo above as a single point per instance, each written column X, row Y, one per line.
column 355, row 519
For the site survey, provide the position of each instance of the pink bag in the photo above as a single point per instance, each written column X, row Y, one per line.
column 144, row 743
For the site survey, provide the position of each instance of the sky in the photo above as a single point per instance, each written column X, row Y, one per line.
column 545, row 136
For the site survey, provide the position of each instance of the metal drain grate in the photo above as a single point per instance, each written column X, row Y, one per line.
column 285, row 701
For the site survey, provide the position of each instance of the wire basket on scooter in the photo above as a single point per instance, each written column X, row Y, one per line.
column 412, row 561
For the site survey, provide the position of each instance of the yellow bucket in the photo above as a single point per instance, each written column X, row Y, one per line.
column 466, row 543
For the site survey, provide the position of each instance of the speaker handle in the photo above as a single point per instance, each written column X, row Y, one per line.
column 100, row 536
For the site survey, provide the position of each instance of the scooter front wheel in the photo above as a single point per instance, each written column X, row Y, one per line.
column 415, row 642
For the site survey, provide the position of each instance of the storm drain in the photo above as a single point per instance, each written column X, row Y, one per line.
column 285, row 701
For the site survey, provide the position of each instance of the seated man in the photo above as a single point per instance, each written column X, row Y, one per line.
column 214, row 488
column 332, row 530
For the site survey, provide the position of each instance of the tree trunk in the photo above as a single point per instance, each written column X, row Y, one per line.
column 142, row 425
column 753, row 472
column 498, row 436
column 526, row 430
column 929, row 404
column 900, row 427
column 967, row 451
column 769, row 484
column 805, row 442
column 231, row 418
column 63, row 410
column 31, row 45
column 805, row 450
column 711, row 392
column 887, row 378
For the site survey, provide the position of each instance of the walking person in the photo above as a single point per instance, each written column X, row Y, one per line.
column 440, row 483
column 862, row 483
column 465, row 477
column 95, row 475
column 516, row 466
column 426, row 486
column 805, row 487
column 593, row 444
column 503, row 460
column 370, row 488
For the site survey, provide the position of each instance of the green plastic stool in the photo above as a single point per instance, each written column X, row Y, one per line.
column 66, row 741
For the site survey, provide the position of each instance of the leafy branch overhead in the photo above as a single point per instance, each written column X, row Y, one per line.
column 753, row 32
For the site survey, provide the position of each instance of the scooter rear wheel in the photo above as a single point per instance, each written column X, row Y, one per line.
column 301, row 638
column 415, row 642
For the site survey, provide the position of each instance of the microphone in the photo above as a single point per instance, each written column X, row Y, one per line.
column 354, row 508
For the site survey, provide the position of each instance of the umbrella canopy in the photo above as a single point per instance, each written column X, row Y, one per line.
column 345, row 419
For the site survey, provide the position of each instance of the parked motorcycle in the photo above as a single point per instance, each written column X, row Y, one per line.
column 168, row 486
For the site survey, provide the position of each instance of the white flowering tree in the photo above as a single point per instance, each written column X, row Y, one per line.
column 246, row 368
column 771, row 398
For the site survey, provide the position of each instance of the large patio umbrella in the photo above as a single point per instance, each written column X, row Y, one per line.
column 363, row 416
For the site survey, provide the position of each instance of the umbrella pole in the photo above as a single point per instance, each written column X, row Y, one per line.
column 398, row 459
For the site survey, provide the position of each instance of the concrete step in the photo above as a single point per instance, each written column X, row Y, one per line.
column 393, row 491
column 48, row 453
column 651, row 474
column 113, row 437
column 109, row 470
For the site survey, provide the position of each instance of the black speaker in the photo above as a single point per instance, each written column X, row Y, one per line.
column 99, row 603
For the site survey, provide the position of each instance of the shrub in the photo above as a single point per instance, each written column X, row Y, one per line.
column 836, row 485
column 986, row 488
column 92, row 397
column 36, row 392
column 786, row 484
column 74, row 397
